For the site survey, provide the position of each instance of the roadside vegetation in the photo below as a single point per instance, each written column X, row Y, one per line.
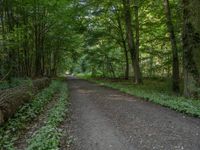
column 14, row 82
column 48, row 136
column 12, row 128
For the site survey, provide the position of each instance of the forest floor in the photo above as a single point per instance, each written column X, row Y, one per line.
column 103, row 118
column 21, row 143
column 41, row 123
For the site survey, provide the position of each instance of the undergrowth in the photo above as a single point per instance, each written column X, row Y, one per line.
column 14, row 82
column 10, row 131
column 48, row 136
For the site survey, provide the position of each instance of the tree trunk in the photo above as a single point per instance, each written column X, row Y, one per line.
column 137, row 38
column 131, row 44
column 11, row 52
column 127, row 62
column 123, row 44
column 191, row 46
column 38, row 63
column 3, row 36
column 175, row 63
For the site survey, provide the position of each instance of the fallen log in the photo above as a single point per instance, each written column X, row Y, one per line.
column 12, row 99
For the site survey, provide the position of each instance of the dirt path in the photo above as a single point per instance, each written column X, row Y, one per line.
column 106, row 119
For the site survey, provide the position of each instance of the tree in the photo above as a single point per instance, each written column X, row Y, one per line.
column 124, row 46
column 191, row 46
column 131, row 43
column 175, row 63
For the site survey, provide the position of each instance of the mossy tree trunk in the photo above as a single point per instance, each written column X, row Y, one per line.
column 191, row 45
column 124, row 46
column 132, row 44
column 175, row 62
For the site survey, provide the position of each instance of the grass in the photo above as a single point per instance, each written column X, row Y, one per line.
column 48, row 136
column 10, row 131
column 156, row 91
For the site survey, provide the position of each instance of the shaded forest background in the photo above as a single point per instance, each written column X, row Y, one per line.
column 130, row 39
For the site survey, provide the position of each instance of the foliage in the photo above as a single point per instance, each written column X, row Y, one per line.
column 36, row 37
column 48, row 136
column 10, row 131
column 14, row 82
column 160, row 41
column 103, row 51
column 51, row 37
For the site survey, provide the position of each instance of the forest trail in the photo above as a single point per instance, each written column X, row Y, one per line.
column 106, row 119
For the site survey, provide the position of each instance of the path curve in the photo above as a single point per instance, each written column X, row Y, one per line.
column 106, row 119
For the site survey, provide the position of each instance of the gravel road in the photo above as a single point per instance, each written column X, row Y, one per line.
column 106, row 119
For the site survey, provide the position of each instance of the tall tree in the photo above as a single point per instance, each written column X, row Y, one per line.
column 131, row 43
column 175, row 60
column 137, row 28
column 123, row 44
column 191, row 46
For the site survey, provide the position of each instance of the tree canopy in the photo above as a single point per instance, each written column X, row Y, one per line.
column 121, row 38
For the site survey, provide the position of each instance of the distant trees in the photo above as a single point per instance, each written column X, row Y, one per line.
column 129, row 38
column 34, row 37
column 148, row 34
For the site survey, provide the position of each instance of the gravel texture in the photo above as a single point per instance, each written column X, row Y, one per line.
column 107, row 119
